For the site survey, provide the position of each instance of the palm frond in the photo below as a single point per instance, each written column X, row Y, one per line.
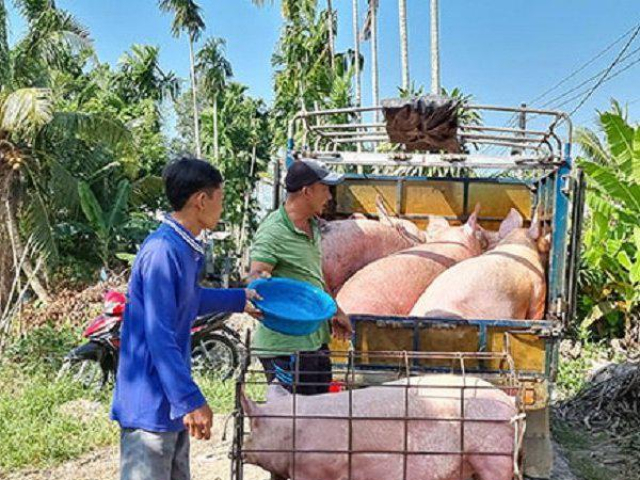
column 187, row 16
column 26, row 110
column 212, row 65
column 36, row 221
column 92, row 128
column 592, row 147
column 63, row 188
column 51, row 39
column 33, row 9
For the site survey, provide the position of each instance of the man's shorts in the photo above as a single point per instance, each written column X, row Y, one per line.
column 311, row 376
column 154, row 455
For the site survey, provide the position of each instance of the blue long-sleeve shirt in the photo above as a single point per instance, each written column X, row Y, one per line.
column 154, row 388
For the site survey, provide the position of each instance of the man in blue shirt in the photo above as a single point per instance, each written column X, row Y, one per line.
column 156, row 402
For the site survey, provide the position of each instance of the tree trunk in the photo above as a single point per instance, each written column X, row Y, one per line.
column 356, row 48
column 404, row 43
column 375, row 87
column 332, row 45
column 28, row 270
column 13, row 249
column 7, row 264
column 5, row 63
column 194, row 90
column 247, row 197
column 435, row 49
column 216, row 142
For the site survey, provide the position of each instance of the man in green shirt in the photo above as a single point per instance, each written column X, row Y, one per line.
column 287, row 244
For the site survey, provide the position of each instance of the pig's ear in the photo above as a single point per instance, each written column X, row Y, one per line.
column 535, row 230
column 436, row 223
column 511, row 222
column 276, row 391
column 415, row 238
column 471, row 227
column 383, row 214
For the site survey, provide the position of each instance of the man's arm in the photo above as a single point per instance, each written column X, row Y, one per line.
column 341, row 327
column 259, row 269
column 215, row 300
column 160, row 315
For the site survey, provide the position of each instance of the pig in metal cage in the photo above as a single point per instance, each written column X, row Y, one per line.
column 435, row 426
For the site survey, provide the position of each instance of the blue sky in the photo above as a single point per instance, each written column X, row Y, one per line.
column 502, row 51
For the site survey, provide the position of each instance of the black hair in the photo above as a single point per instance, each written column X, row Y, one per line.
column 186, row 176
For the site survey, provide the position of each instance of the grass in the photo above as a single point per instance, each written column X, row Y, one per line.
column 35, row 429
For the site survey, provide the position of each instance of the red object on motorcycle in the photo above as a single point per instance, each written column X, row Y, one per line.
column 114, row 303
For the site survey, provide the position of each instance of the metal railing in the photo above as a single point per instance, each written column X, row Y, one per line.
column 336, row 136
column 348, row 450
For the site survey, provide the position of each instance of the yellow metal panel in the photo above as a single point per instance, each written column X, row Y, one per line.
column 528, row 351
column 360, row 197
column 427, row 197
column 497, row 199
column 433, row 198
column 374, row 338
column 443, row 339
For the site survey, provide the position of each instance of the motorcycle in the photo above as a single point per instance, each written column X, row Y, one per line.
column 215, row 348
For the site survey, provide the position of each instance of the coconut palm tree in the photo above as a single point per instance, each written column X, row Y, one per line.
column 214, row 70
column 52, row 38
column 188, row 18
column 28, row 122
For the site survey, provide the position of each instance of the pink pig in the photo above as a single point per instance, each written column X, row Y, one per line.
column 507, row 282
column 485, row 454
column 349, row 245
column 392, row 285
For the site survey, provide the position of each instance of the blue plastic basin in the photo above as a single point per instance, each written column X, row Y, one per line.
column 292, row 307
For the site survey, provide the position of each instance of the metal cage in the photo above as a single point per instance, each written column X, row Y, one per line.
column 408, row 364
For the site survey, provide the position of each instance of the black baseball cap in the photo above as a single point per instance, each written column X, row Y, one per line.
column 305, row 172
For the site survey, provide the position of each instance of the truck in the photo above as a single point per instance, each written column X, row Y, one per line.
column 502, row 158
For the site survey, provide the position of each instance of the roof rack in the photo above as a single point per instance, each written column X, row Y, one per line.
column 339, row 136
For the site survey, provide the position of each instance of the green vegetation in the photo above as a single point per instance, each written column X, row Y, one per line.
column 39, row 427
column 610, row 277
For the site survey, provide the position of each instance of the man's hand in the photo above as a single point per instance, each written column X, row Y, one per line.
column 250, row 308
column 199, row 422
column 255, row 275
column 341, row 326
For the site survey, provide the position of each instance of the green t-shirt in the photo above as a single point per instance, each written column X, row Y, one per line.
column 293, row 255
